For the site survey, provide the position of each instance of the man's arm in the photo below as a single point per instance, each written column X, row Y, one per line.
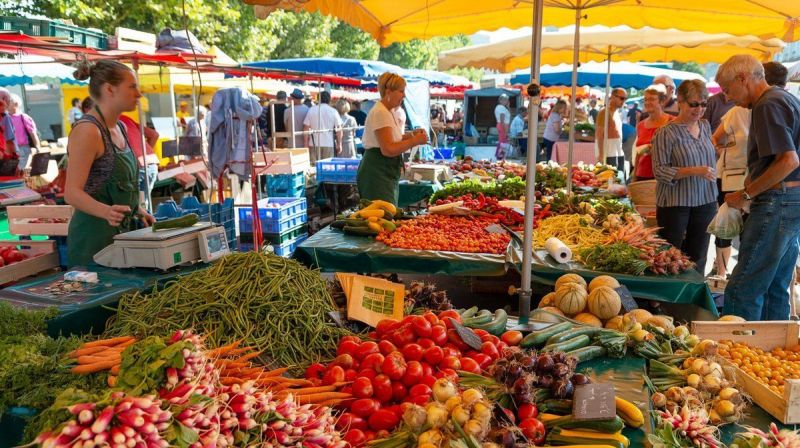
column 600, row 137
column 776, row 172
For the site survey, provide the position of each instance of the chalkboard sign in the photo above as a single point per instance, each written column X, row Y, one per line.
column 467, row 335
column 628, row 304
column 594, row 402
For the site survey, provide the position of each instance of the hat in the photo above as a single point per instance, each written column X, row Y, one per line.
column 298, row 94
column 281, row 95
column 184, row 103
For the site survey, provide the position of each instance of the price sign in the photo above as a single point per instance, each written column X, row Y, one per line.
column 594, row 402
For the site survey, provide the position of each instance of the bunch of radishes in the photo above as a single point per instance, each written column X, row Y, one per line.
column 304, row 425
column 692, row 425
column 124, row 422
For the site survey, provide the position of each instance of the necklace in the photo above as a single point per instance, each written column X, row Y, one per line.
column 108, row 131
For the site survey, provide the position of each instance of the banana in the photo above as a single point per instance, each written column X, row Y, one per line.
column 629, row 412
column 374, row 226
column 389, row 226
column 388, row 206
column 367, row 213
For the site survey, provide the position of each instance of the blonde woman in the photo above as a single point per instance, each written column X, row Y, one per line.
column 384, row 143
column 348, row 146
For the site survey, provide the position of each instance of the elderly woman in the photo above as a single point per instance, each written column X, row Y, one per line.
column 683, row 164
column 349, row 124
column 384, row 142
column 646, row 129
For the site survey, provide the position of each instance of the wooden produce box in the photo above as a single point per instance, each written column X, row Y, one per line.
column 766, row 336
column 42, row 255
column 282, row 161
column 21, row 219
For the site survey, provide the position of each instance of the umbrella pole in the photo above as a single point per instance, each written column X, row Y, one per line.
column 607, row 102
column 533, row 146
column 575, row 54
column 147, row 200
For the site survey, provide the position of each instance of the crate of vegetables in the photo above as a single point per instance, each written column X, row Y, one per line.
column 51, row 220
column 765, row 357
column 20, row 259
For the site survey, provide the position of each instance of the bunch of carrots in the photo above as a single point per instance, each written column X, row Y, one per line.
column 99, row 355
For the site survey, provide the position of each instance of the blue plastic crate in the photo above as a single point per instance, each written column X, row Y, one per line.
column 297, row 192
column 270, row 226
column 337, row 170
column 282, row 250
column 279, row 182
column 442, row 153
column 290, row 213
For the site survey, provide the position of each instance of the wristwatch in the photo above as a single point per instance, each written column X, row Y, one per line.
column 745, row 195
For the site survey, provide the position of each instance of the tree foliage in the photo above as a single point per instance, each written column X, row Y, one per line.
column 693, row 67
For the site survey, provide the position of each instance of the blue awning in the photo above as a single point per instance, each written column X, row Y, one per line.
column 593, row 74
column 32, row 70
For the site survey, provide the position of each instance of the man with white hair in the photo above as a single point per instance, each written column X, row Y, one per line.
column 503, row 119
column 9, row 144
column 670, row 105
column 758, row 288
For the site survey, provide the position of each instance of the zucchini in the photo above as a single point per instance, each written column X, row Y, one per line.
column 359, row 231
column 557, row 406
column 569, row 334
column 562, row 440
column 568, row 345
column 618, row 437
column 356, row 222
column 610, row 426
column 483, row 317
column 537, row 338
column 497, row 325
column 586, row 353
column 187, row 220
column 338, row 224
column 469, row 312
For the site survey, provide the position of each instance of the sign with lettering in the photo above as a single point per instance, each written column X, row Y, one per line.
column 625, row 296
column 594, row 402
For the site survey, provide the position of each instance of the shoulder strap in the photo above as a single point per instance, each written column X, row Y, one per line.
column 86, row 118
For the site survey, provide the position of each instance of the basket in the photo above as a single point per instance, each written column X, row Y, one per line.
column 643, row 193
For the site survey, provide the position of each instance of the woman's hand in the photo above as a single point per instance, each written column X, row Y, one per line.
column 419, row 136
column 706, row 172
column 147, row 219
column 116, row 213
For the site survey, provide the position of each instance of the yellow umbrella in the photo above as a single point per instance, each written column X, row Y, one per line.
column 621, row 43
column 392, row 22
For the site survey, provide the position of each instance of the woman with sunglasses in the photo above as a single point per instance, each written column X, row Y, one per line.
column 683, row 164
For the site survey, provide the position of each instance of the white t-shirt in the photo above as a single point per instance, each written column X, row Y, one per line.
column 380, row 117
column 500, row 109
column 613, row 145
column 736, row 123
column 323, row 116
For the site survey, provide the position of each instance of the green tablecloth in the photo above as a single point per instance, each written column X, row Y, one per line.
column 689, row 287
column 413, row 193
column 333, row 251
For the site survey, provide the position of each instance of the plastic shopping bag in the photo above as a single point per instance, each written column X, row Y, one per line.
column 727, row 224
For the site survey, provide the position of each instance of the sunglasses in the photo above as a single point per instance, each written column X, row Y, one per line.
column 623, row 98
column 694, row 104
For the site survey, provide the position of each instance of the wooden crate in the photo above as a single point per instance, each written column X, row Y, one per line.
column 282, row 161
column 20, row 217
column 766, row 336
column 42, row 257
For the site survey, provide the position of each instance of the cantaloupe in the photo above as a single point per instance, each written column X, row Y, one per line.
column 664, row 322
column 547, row 317
column 615, row 323
column 570, row 278
column 588, row 319
column 604, row 302
column 549, row 299
column 640, row 315
column 571, row 298
column 731, row 318
column 603, row 280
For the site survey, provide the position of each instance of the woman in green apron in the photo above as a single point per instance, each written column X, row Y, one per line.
column 102, row 173
column 385, row 143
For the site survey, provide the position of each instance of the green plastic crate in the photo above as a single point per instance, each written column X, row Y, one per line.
column 275, row 238
column 52, row 28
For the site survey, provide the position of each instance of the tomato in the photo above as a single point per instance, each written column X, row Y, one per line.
column 527, row 410
column 386, row 326
column 455, row 339
column 450, row 362
column 347, row 347
column 373, row 361
column 449, row 313
column 350, row 375
column 421, row 326
column 372, row 335
column 439, row 334
column 433, row 355
column 489, row 349
column 447, row 373
column 511, row 337
column 362, row 387
column 430, row 316
column 367, row 373
column 533, row 430
column 511, row 417
column 426, row 369
column 364, row 407
column 386, row 347
column 425, row 343
column 501, row 346
column 470, row 365
column 394, row 366
column 429, row 380
column 369, row 434
column 419, row 400
column 350, row 420
column 365, row 349
column 419, row 389
column 412, row 352
column 403, row 335
column 486, row 338
column 483, row 360
column 396, row 409
column 315, row 370
column 345, row 360
column 451, row 350
column 382, row 387
column 481, row 333
column 355, row 437
column 355, row 339
column 334, row 374
column 398, row 391
column 413, row 373
column 383, row 419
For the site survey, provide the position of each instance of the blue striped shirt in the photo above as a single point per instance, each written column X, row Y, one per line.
column 674, row 147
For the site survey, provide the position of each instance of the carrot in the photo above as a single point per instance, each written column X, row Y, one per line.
column 314, row 390
column 247, row 357
column 320, row 397
column 228, row 380
column 332, row 402
column 85, row 369
column 115, row 370
column 277, row 372
column 107, row 342
column 91, row 359
column 239, row 351
column 87, row 351
column 225, row 363
column 112, row 381
column 219, row 351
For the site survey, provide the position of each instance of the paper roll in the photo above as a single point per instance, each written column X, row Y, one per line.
column 558, row 250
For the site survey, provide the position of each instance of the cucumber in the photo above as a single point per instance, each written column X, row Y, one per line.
column 338, row 224
column 561, row 440
column 539, row 337
column 187, row 220
column 483, row 317
column 497, row 326
column 586, row 353
column 359, row 231
column 469, row 312
column 569, row 334
column 608, row 426
column 556, row 406
column 568, row 345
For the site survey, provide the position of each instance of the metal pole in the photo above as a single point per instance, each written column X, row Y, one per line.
column 174, row 115
column 575, row 55
column 608, row 102
column 147, row 199
column 533, row 146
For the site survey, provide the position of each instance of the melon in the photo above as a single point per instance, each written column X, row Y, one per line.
column 603, row 280
column 604, row 302
column 549, row 299
column 640, row 315
column 571, row 298
column 663, row 322
column 615, row 323
column 732, row 318
column 570, row 278
column 548, row 317
column 588, row 319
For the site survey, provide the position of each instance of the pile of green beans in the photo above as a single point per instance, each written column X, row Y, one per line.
column 268, row 302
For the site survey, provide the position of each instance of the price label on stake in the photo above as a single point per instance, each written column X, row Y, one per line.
column 467, row 335
column 625, row 296
column 594, row 402
column 494, row 228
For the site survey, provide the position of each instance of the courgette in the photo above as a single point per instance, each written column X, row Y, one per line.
column 537, row 338
column 338, row 224
column 356, row 222
column 187, row 220
column 469, row 312
column 359, row 231
column 586, row 353
column 568, row 345
column 592, row 435
column 561, row 440
column 557, row 406
column 608, row 426
column 569, row 334
column 483, row 317
column 497, row 326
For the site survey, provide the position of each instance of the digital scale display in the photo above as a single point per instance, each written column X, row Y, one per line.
column 213, row 244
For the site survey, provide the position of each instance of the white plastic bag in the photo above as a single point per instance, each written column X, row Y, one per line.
column 727, row 224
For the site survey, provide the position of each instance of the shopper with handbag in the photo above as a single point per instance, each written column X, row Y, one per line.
column 24, row 131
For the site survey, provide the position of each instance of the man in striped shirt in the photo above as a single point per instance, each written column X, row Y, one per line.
column 758, row 289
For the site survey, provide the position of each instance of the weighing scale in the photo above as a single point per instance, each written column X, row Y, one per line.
column 164, row 249
column 13, row 192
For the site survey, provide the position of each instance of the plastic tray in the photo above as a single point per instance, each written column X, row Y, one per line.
column 337, row 170
column 276, row 238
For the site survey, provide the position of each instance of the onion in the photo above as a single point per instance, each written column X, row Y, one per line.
column 711, row 384
column 546, row 380
column 470, row 396
column 560, row 370
column 475, row 429
column 580, row 379
column 562, row 388
column 415, row 416
column 659, row 400
column 700, row 366
column 460, row 415
column 675, row 394
column 725, row 408
column 693, row 380
column 452, row 402
column 482, row 413
column 437, row 415
column 544, row 363
column 432, row 436
column 730, row 394
column 681, row 331
column 443, row 389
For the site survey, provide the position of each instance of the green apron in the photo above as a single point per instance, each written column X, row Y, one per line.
column 89, row 234
column 379, row 176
